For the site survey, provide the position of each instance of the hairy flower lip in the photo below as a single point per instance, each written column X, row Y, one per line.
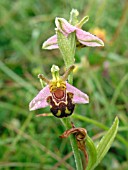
column 83, row 37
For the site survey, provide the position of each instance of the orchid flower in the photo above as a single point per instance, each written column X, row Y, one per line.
column 60, row 95
column 83, row 38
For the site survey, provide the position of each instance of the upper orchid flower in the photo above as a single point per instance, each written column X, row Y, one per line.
column 60, row 95
column 83, row 38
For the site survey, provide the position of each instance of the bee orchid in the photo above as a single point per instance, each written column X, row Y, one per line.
column 83, row 38
column 58, row 94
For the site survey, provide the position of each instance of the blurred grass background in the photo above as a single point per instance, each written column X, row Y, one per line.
column 28, row 142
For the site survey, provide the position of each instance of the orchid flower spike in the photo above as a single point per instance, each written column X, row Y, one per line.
column 83, row 38
column 60, row 95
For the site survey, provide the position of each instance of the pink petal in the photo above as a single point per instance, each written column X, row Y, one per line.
column 79, row 96
column 51, row 43
column 88, row 39
column 40, row 100
column 63, row 26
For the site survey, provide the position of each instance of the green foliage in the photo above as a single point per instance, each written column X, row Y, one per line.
column 92, row 153
column 29, row 142
column 106, row 142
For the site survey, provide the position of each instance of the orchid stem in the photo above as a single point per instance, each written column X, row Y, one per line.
column 67, row 47
column 67, row 124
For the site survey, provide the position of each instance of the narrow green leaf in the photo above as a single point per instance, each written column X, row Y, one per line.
column 92, row 153
column 100, row 125
column 106, row 142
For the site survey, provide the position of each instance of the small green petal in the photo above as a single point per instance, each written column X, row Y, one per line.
column 82, row 22
column 73, row 17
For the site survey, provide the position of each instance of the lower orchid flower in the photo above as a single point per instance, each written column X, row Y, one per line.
column 58, row 94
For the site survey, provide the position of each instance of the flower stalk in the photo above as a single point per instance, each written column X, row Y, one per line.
column 67, row 46
column 67, row 124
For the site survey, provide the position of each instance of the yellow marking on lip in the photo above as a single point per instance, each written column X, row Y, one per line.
column 58, row 113
column 67, row 111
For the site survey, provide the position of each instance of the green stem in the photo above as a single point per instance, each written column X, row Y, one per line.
column 67, row 124
column 67, row 47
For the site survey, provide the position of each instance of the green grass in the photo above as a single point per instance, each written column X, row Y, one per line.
column 30, row 142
